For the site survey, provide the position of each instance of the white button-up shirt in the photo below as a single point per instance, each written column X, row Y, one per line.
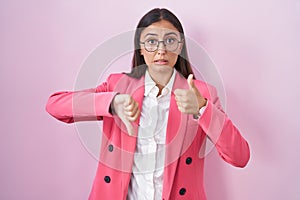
column 148, row 168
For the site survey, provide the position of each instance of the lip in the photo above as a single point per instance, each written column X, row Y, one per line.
column 161, row 61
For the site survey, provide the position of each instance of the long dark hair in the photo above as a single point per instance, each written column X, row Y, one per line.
column 155, row 15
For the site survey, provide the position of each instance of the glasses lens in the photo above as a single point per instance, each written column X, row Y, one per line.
column 171, row 43
column 151, row 45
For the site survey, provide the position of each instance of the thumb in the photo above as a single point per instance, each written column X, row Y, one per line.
column 190, row 81
column 129, row 127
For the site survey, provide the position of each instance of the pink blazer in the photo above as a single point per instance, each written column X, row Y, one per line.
column 183, row 174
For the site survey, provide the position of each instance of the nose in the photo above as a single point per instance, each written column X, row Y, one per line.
column 161, row 47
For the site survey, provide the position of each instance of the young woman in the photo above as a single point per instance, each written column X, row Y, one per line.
column 155, row 120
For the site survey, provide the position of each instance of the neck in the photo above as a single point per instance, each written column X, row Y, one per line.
column 161, row 78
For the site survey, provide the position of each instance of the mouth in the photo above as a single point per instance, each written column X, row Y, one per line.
column 161, row 61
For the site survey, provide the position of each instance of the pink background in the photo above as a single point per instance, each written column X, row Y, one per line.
column 255, row 45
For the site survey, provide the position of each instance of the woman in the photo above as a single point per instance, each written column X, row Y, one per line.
column 155, row 120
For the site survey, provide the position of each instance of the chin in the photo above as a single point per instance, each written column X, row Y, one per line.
column 161, row 68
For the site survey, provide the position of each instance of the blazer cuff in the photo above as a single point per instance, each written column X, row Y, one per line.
column 102, row 105
column 212, row 121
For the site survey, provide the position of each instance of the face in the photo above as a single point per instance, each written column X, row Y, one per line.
column 164, row 56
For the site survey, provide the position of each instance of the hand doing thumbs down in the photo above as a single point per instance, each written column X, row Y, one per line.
column 127, row 109
column 190, row 100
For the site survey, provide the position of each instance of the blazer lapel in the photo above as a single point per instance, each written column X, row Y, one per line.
column 125, row 145
column 176, row 130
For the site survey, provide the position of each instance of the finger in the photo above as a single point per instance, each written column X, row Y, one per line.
column 182, row 99
column 180, row 108
column 135, row 116
column 128, row 101
column 130, row 106
column 180, row 92
column 179, row 104
column 190, row 81
column 132, row 110
column 135, row 109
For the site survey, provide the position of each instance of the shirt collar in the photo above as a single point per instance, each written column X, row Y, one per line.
column 150, row 84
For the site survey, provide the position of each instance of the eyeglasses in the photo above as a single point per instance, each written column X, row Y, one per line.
column 171, row 44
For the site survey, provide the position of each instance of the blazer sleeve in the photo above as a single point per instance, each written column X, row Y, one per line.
column 230, row 144
column 83, row 105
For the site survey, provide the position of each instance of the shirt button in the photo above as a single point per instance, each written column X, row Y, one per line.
column 107, row 179
column 182, row 191
column 188, row 161
column 110, row 148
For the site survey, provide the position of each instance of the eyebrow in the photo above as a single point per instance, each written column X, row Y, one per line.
column 153, row 34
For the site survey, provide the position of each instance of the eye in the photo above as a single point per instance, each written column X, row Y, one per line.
column 170, row 40
column 152, row 41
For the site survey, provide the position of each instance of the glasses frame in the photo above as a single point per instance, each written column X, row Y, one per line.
column 158, row 42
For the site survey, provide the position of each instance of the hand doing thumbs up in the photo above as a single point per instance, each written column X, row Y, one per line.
column 189, row 101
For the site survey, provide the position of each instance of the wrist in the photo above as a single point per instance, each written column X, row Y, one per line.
column 112, row 107
column 202, row 102
column 201, row 109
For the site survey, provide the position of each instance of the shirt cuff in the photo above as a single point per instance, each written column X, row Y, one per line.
column 201, row 111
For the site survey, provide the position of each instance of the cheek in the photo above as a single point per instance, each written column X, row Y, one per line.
column 148, row 57
column 173, row 59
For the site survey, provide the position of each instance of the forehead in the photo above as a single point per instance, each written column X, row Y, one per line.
column 160, row 28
